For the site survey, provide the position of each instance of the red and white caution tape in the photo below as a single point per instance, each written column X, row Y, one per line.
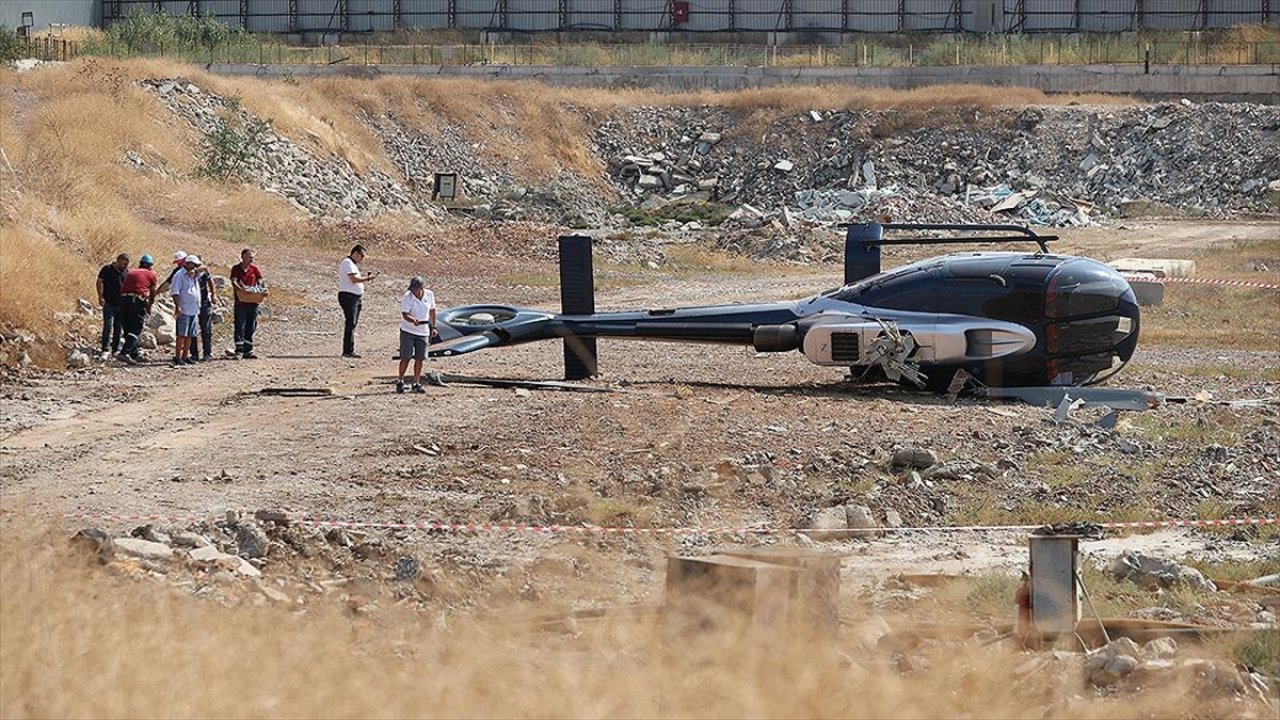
column 1203, row 281
column 506, row 528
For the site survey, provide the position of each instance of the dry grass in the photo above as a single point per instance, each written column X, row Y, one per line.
column 37, row 278
column 78, row 641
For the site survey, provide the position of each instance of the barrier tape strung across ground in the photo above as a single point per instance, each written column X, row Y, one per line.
column 478, row 528
column 1203, row 281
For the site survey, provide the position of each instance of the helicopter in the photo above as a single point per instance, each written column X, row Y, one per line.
column 1003, row 319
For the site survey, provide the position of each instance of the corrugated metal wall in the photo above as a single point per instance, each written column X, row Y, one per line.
column 45, row 12
column 704, row 15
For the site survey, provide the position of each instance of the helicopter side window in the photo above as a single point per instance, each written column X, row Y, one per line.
column 915, row 291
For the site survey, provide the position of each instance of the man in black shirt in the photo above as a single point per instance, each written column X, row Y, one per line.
column 110, row 277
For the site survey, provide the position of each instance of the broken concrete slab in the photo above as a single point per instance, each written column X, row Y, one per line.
column 1159, row 267
column 144, row 549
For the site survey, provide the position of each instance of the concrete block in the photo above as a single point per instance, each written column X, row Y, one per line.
column 1160, row 267
column 814, row 590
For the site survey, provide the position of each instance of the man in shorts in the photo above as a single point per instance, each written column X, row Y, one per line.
column 185, row 288
column 417, row 323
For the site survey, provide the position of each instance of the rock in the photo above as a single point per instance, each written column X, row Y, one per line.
column 184, row 539
column 144, row 549
column 1165, row 647
column 165, row 335
column 919, row 458
column 892, row 519
column 275, row 595
column 869, row 173
column 1111, row 663
column 859, row 517
column 251, row 541
column 233, row 563
column 94, row 541
column 832, row 518
column 1152, row 573
column 151, row 533
column 784, row 166
column 77, row 359
column 159, row 317
column 407, row 569
column 147, row 340
column 86, row 307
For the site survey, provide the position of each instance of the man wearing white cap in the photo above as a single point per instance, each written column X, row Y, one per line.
column 417, row 323
column 179, row 262
column 186, row 304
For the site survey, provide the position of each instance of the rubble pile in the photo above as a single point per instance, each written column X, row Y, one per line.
column 488, row 190
column 1053, row 166
column 317, row 184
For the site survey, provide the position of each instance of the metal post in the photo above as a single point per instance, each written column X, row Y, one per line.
column 1139, row 19
column 617, row 15
column 902, row 15
column 844, row 16
column 395, row 14
column 1075, row 15
column 293, row 15
column 954, row 14
column 1204, row 14
column 244, row 14
column 788, row 15
column 453, row 14
column 502, row 14
column 344, row 18
column 733, row 15
column 562, row 15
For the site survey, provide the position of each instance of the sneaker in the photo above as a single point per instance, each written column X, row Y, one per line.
column 351, row 355
column 400, row 386
column 417, row 387
column 192, row 361
column 206, row 358
column 126, row 358
column 177, row 362
column 249, row 356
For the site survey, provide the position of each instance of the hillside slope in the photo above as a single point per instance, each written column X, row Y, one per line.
column 104, row 157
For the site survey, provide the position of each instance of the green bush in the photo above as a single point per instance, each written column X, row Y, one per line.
column 11, row 48
column 163, row 31
column 227, row 149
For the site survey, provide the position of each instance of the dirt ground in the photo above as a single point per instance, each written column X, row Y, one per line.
column 682, row 438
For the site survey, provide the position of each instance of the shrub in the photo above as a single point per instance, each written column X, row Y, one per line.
column 227, row 149
column 10, row 46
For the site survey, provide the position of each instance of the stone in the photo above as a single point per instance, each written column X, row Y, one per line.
column 1089, row 162
column 918, row 458
column 1109, row 664
column 147, row 340
column 408, row 569
column 275, row 595
column 1165, row 647
column 649, row 182
column 784, row 166
column 832, row 518
column 152, row 533
column 869, row 173
column 859, row 517
column 77, row 359
column 892, row 519
column 165, row 335
column 1154, row 573
column 1115, row 670
column 144, row 549
column 184, row 539
column 251, row 541
column 95, row 542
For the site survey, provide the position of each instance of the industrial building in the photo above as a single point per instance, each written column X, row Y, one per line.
column 670, row 16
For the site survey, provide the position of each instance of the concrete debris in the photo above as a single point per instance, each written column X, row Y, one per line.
column 919, row 458
column 251, row 541
column 1154, row 573
column 77, row 359
column 144, row 549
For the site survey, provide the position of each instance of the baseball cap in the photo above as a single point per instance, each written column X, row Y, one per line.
column 179, row 257
column 416, row 282
column 146, row 260
column 194, row 260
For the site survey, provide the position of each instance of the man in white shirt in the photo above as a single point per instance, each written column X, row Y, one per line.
column 350, row 293
column 185, row 288
column 417, row 323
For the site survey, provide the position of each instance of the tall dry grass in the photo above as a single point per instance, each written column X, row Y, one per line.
column 76, row 641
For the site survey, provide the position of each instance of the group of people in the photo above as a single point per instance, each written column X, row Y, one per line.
column 127, row 296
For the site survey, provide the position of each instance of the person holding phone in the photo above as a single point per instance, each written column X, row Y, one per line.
column 350, row 295
column 417, row 323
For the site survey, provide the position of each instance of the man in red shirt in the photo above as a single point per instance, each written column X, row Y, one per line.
column 137, row 293
column 246, row 277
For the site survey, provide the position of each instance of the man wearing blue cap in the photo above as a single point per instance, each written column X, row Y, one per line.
column 417, row 323
column 137, row 293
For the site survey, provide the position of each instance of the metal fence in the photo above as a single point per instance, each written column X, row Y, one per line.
column 1000, row 50
column 714, row 16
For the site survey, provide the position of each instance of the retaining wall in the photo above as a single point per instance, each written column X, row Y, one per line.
column 1251, row 83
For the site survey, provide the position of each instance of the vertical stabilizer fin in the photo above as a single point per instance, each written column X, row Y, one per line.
column 862, row 251
column 577, row 297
